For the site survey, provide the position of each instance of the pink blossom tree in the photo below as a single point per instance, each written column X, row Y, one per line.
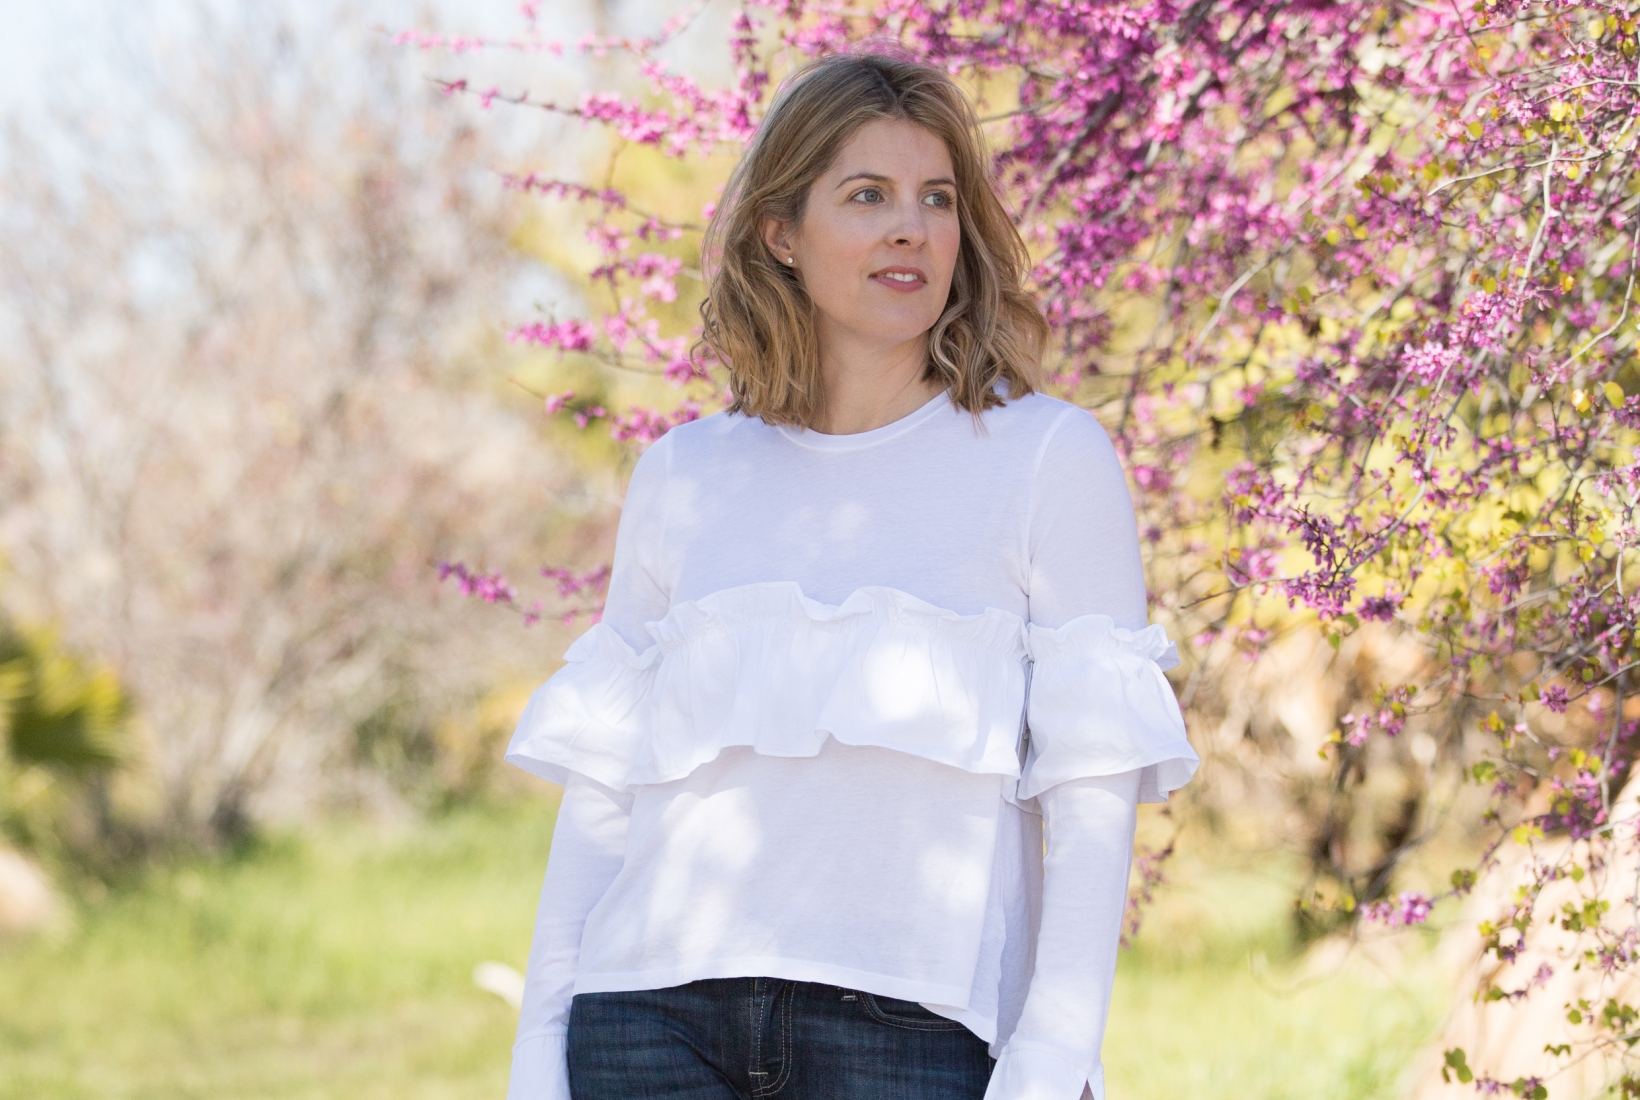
column 1352, row 285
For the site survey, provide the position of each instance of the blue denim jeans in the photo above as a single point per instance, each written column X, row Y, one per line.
column 750, row 1038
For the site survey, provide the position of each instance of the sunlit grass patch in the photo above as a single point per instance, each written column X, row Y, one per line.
column 336, row 964
column 1218, row 1001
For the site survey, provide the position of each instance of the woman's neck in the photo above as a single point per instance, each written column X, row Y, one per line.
column 870, row 387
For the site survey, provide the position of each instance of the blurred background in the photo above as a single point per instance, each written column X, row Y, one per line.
column 256, row 271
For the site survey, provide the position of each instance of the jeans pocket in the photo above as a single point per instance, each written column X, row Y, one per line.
column 907, row 1014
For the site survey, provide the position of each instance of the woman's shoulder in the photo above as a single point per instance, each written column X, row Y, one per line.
column 1055, row 426
column 703, row 436
column 688, row 445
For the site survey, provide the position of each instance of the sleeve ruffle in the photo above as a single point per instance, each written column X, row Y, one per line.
column 766, row 667
column 1099, row 705
column 591, row 716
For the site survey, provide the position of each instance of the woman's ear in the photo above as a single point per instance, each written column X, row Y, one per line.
column 778, row 239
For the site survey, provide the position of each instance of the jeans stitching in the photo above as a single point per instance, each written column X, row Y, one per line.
column 941, row 1023
column 753, row 1070
column 760, row 1076
column 786, row 1059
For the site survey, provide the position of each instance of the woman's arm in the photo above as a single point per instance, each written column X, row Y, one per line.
column 1105, row 732
column 1053, row 1053
column 589, row 837
column 588, row 842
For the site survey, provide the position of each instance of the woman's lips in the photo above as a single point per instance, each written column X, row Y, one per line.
column 904, row 287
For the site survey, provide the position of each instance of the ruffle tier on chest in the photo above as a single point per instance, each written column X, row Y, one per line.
column 765, row 666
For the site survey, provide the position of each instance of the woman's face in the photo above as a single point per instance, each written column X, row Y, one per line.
column 879, row 237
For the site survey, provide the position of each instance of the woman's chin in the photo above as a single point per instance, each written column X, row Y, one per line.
column 889, row 330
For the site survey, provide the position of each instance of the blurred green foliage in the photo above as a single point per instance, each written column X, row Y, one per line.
column 63, row 729
column 56, row 710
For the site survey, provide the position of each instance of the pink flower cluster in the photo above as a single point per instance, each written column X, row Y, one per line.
column 493, row 588
column 572, row 584
column 489, row 587
column 647, row 425
column 1408, row 909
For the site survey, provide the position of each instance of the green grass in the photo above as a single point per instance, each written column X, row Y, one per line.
column 334, row 965
column 1216, row 1001
column 338, row 964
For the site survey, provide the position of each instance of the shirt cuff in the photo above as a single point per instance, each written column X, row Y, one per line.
column 540, row 1068
column 1029, row 1072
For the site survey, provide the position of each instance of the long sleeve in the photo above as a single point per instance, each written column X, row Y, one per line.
column 588, row 843
column 1084, row 540
column 589, row 838
column 1099, row 704
column 640, row 585
column 1053, row 1053
column 587, row 717
column 1105, row 734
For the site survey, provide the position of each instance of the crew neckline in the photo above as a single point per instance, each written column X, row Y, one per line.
column 848, row 441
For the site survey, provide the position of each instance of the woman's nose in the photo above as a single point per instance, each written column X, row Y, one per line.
column 909, row 228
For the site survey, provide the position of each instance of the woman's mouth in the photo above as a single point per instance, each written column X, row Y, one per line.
column 900, row 278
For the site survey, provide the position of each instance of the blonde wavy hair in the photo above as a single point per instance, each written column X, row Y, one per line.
column 758, row 319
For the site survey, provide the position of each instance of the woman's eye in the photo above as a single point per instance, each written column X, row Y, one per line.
column 874, row 195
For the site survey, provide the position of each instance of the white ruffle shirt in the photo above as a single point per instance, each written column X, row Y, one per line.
column 839, row 684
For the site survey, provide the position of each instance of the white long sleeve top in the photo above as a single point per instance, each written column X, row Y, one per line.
column 839, row 685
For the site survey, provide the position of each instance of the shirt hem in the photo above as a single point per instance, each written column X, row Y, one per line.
column 954, row 998
column 983, row 1027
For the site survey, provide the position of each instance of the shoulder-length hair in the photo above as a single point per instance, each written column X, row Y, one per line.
column 759, row 320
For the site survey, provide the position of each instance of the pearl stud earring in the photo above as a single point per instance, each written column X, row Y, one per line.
column 789, row 259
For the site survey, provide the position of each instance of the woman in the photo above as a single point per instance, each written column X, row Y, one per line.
column 870, row 632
